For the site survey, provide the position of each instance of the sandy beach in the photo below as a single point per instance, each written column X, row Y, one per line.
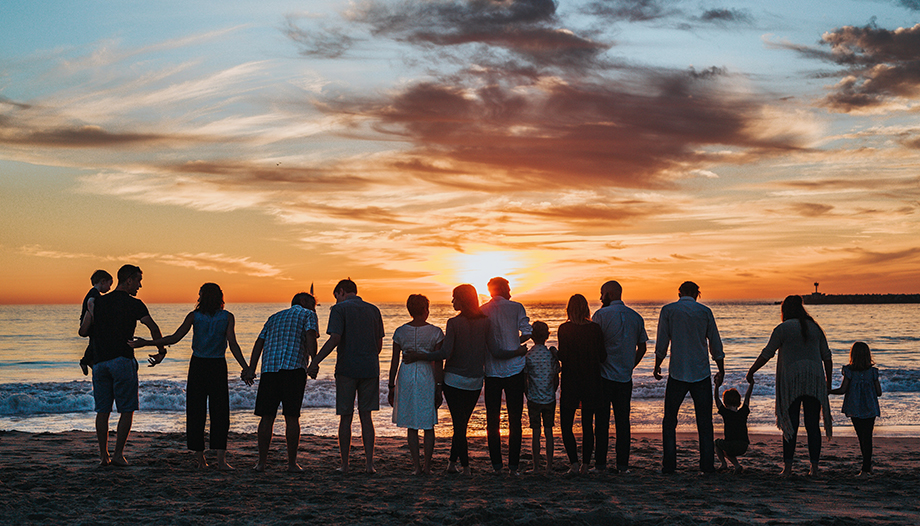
column 54, row 478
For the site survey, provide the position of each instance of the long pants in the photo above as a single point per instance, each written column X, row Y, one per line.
column 568, row 403
column 513, row 387
column 460, row 403
column 674, row 394
column 618, row 395
column 864, row 427
column 812, row 409
column 207, row 387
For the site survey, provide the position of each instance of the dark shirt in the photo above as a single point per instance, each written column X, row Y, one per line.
column 360, row 325
column 93, row 294
column 736, row 423
column 115, row 317
column 582, row 352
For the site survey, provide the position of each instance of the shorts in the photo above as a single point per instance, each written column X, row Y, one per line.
column 367, row 389
column 732, row 448
column 544, row 412
column 115, row 380
column 285, row 387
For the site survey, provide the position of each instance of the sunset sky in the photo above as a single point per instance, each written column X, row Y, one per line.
column 753, row 147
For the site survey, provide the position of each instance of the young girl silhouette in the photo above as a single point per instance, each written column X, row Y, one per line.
column 861, row 390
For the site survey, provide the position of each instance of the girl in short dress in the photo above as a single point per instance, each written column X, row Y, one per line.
column 415, row 388
column 861, row 390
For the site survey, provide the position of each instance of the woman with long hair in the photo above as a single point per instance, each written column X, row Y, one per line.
column 581, row 351
column 466, row 341
column 803, row 376
column 207, row 385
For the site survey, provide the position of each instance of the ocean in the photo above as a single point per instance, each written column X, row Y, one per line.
column 43, row 390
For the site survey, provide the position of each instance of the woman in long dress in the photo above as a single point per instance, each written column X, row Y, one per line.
column 415, row 388
column 207, row 386
column 803, row 376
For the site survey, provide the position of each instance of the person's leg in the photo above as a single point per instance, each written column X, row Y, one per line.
column 345, row 440
column 550, row 448
column 602, row 424
column 102, row 436
column 493, row 399
column 452, row 396
column 621, row 401
column 721, row 455
column 534, row 416
column 587, row 434
column 121, row 438
column 701, row 392
column 412, row 439
column 567, row 407
column 368, row 437
column 292, row 435
column 514, row 399
column 429, row 451
column 673, row 396
column 466, row 403
column 196, row 407
column 219, row 403
column 789, row 443
column 811, row 407
column 266, row 426
column 864, row 427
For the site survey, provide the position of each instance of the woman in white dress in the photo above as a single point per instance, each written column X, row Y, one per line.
column 415, row 388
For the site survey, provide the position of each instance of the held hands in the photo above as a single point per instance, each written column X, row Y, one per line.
column 137, row 343
column 154, row 359
column 750, row 377
column 313, row 370
column 720, row 377
column 248, row 376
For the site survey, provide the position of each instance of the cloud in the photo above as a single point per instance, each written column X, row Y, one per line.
column 723, row 16
column 810, row 209
column 200, row 261
column 632, row 10
column 881, row 66
column 321, row 42
column 81, row 137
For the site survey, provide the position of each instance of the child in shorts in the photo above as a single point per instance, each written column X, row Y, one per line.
column 734, row 416
column 102, row 282
column 542, row 369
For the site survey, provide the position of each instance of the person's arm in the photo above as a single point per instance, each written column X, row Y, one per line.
column 662, row 341
column 524, row 326
column 233, row 344
column 254, row 360
column 658, row 359
column 641, row 349
column 174, row 338
column 747, row 394
column 715, row 395
column 828, row 371
column 328, row 347
column 720, row 363
column 394, row 368
column 155, row 334
column 844, row 387
column 87, row 323
column 438, row 369
column 758, row 363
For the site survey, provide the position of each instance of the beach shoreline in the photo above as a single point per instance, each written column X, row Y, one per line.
column 54, row 477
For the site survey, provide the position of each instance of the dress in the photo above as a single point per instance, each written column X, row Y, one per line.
column 861, row 400
column 413, row 404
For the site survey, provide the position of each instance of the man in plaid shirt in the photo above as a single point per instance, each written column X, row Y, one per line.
column 286, row 344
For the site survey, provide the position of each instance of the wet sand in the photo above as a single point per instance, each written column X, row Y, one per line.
column 54, row 479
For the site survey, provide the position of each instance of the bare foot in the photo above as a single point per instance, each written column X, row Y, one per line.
column 739, row 470
column 452, row 467
column 342, row 469
column 294, row 468
column 120, row 461
column 467, row 471
column 584, row 469
column 260, row 467
column 864, row 474
column 202, row 463
column 785, row 473
column 417, row 473
column 574, row 469
column 813, row 472
column 223, row 466
column 496, row 470
column 104, row 462
column 370, row 470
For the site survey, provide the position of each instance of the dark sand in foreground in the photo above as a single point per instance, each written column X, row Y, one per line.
column 54, row 479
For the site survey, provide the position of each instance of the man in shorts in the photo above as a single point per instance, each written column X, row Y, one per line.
column 111, row 321
column 356, row 329
column 286, row 343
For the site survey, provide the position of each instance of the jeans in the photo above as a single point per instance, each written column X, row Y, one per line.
column 513, row 387
column 619, row 395
column 207, row 386
column 812, row 408
column 461, row 404
column 568, row 404
column 863, row 427
column 674, row 394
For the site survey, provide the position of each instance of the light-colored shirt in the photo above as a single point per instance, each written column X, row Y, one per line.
column 284, row 336
column 623, row 330
column 687, row 325
column 509, row 322
column 542, row 371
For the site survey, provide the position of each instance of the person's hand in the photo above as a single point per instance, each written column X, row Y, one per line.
column 657, row 372
column 248, row 376
column 718, row 379
column 438, row 397
column 750, row 377
column 313, row 370
column 155, row 359
column 411, row 356
column 522, row 350
column 137, row 343
column 391, row 395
